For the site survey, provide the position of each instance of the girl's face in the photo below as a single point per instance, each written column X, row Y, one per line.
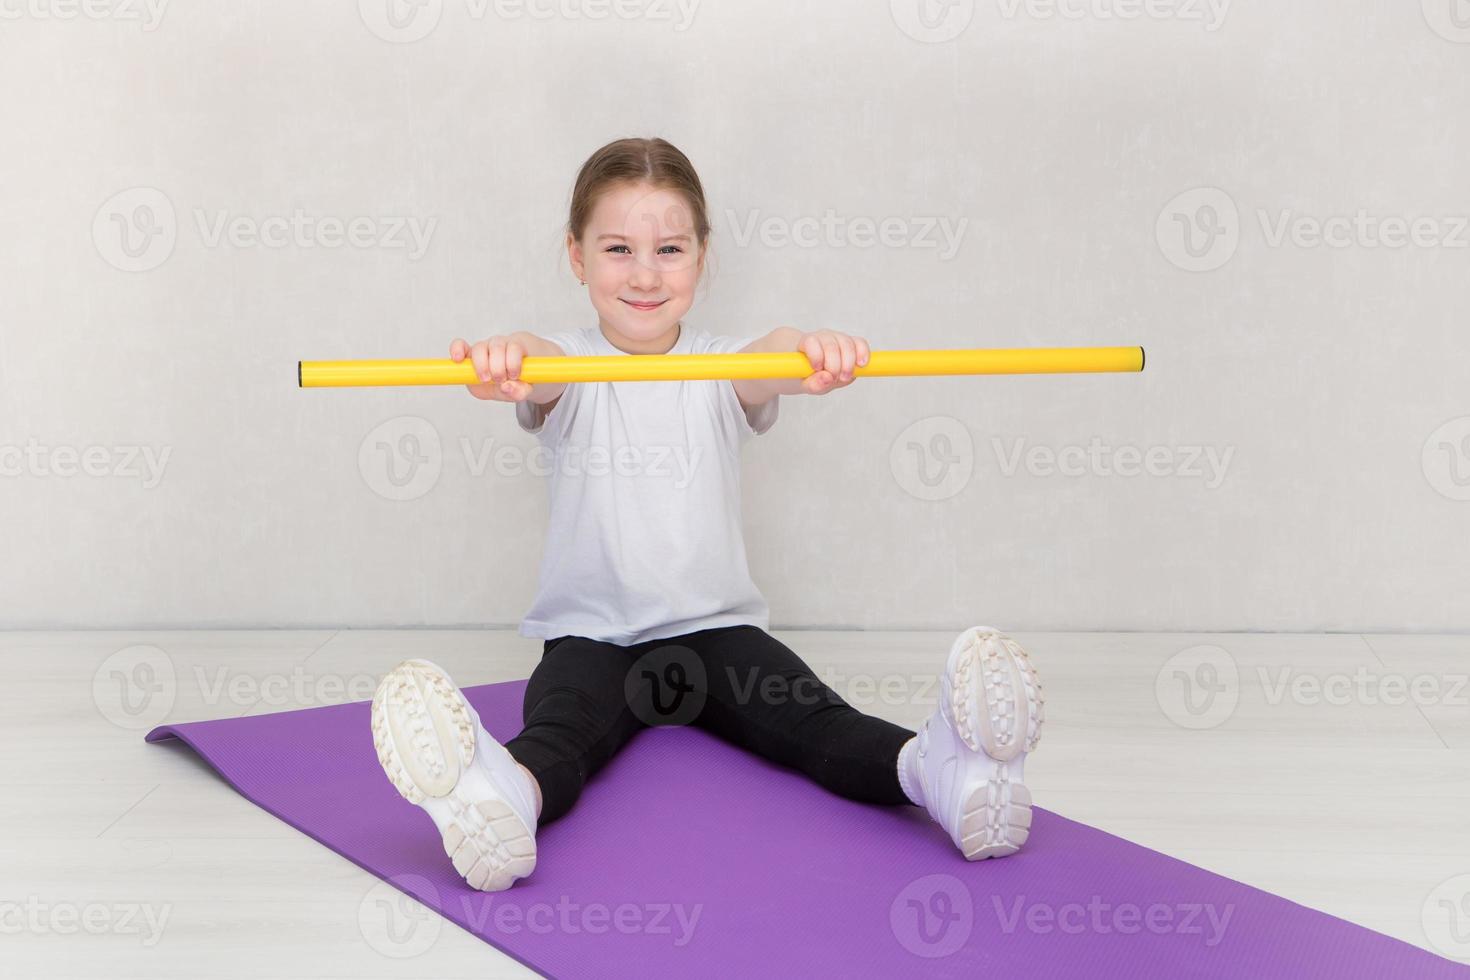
column 641, row 261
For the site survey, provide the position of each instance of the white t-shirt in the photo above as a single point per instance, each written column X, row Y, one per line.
column 644, row 537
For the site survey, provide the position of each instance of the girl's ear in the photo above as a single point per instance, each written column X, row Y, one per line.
column 574, row 256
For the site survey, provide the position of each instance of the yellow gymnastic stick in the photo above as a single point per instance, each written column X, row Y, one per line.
column 714, row 367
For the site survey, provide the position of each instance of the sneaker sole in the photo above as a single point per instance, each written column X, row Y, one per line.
column 424, row 734
column 1012, row 696
column 996, row 816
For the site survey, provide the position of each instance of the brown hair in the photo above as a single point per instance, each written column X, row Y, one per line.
column 650, row 161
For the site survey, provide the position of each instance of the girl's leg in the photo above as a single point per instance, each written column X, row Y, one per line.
column 576, row 717
column 764, row 698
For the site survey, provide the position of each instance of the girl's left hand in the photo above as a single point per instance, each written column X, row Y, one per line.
column 833, row 356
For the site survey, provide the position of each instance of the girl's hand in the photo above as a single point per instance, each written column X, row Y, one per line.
column 833, row 356
column 497, row 362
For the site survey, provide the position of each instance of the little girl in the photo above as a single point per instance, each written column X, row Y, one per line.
column 644, row 592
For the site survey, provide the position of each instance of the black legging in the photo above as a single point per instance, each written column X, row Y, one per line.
column 587, row 698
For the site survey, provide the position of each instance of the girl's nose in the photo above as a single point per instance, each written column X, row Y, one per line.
column 643, row 275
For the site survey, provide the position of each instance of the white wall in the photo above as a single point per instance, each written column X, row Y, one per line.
column 1324, row 372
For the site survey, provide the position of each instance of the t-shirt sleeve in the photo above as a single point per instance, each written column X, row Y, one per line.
column 531, row 416
column 758, row 419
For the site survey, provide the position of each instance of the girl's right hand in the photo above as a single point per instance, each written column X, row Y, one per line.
column 497, row 362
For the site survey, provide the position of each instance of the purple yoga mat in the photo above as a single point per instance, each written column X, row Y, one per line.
column 687, row 856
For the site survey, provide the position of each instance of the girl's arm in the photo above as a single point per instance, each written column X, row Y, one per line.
column 833, row 356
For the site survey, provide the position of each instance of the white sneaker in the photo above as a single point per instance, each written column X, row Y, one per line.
column 432, row 746
column 973, row 748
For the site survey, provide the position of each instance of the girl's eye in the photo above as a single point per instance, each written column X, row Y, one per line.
column 676, row 249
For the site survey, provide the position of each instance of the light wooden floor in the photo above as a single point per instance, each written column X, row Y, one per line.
column 1360, row 809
